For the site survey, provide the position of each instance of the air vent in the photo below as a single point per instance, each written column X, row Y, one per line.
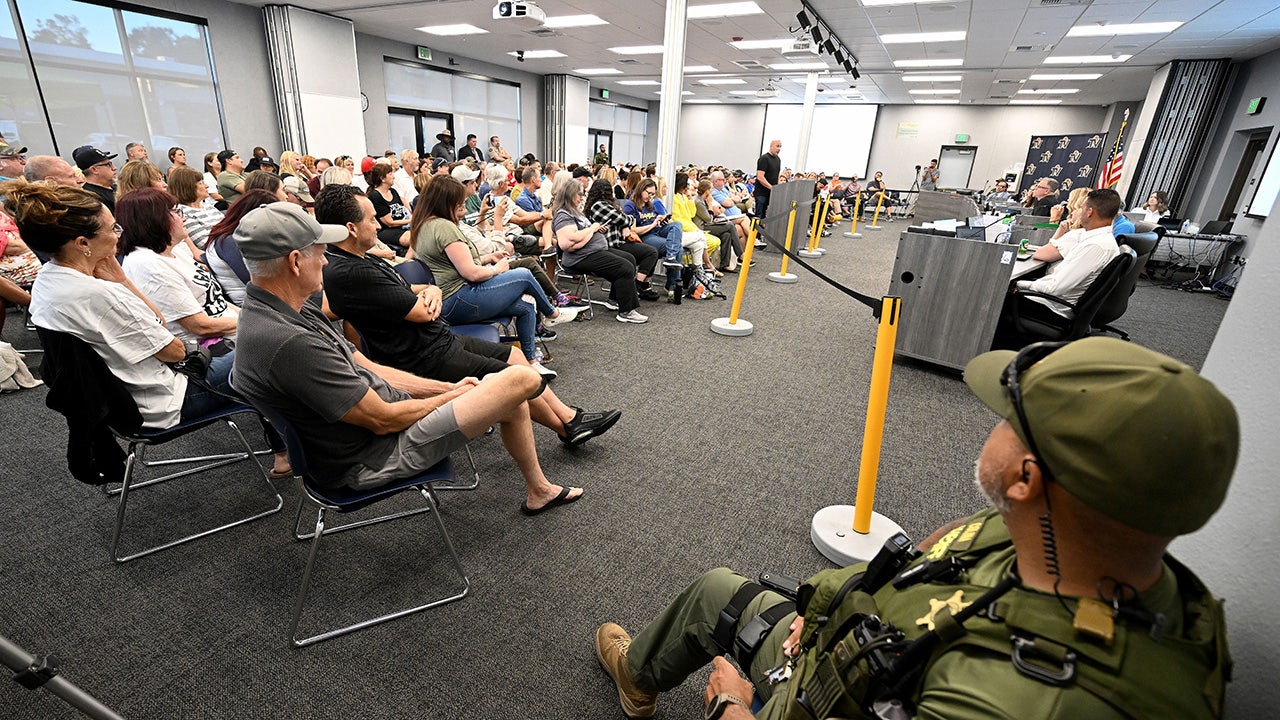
column 1030, row 48
column 999, row 97
column 748, row 64
column 1063, row 3
column 545, row 32
column 627, row 61
column 1010, row 82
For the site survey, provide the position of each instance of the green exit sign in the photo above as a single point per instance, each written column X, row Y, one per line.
column 962, row 137
column 1255, row 105
column 424, row 53
column 604, row 93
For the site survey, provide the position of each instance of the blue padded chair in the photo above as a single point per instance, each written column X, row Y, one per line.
column 346, row 500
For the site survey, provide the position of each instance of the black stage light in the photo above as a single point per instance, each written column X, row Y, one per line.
column 817, row 35
column 803, row 19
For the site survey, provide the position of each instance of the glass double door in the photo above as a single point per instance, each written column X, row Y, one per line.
column 417, row 129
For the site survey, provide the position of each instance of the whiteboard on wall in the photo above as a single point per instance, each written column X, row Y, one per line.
column 335, row 125
column 1268, row 188
column 840, row 141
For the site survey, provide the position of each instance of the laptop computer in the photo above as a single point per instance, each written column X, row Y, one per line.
column 1216, row 227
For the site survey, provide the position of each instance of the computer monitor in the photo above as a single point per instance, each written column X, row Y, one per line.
column 1170, row 223
column 1216, row 227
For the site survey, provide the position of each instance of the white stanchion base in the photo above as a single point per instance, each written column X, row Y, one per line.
column 807, row 254
column 821, row 251
column 832, row 533
column 722, row 326
column 874, row 227
column 853, row 235
column 786, row 279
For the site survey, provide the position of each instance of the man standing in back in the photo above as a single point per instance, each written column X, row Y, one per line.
column 767, row 169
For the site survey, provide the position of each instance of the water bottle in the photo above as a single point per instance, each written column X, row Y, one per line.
column 1185, row 224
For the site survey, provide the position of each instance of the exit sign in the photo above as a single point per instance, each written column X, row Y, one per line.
column 962, row 137
column 604, row 93
column 1255, row 105
column 424, row 53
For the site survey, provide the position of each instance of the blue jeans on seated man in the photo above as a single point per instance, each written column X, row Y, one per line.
column 499, row 297
column 669, row 241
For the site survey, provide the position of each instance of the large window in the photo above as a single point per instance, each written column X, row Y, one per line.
column 628, row 126
column 108, row 76
column 480, row 106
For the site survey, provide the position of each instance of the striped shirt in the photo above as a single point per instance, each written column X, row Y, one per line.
column 198, row 222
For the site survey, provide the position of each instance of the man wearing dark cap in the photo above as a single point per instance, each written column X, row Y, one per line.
column 471, row 150
column 584, row 177
column 12, row 161
column 444, row 148
column 362, row 424
column 99, row 173
column 231, row 179
column 1058, row 602
column 266, row 164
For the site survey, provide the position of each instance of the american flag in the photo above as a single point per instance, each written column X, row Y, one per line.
column 1110, row 174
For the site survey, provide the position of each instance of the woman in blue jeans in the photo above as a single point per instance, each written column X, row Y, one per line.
column 476, row 287
column 651, row 226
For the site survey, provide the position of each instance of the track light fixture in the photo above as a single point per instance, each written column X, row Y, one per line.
column 803, row 20
column 825, row 40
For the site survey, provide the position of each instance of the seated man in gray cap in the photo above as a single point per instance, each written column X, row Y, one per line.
column 1059, row 602
column 363, row 424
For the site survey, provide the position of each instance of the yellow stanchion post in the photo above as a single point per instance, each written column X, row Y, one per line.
column 732, row 326
column 857, row 211
column 817, row 241
column 819, row 213
column 782, row 276
column 847, row 534
column 875, row 219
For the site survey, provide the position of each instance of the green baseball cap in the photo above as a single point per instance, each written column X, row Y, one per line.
column 1132, row 433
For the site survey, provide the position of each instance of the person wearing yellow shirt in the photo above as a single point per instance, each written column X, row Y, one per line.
column 684, row 211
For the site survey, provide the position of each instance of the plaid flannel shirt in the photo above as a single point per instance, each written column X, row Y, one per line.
column 615, row 221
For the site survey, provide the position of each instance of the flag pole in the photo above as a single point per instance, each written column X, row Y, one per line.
column 1115, row 149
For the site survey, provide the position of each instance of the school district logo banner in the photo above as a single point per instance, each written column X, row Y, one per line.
column 1069, row 159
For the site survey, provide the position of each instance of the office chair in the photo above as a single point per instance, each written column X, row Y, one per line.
column 1051, row 326
column 345, row 500
column 1117, row 301
column 59, row 346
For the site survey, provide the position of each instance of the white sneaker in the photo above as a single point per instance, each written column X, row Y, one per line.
column 566, row 314
column 608, row 304
column 631, row 316
column 543, row 370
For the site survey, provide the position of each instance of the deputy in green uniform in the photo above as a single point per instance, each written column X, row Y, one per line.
column 1059, row 602
column 602, row 157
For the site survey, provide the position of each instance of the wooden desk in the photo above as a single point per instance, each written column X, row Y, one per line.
column 952, row 290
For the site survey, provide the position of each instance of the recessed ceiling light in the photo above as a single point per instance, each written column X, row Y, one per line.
column 956, row 62
column 937, row 102
column 536, row 54
column 723, row 81
column 934, row 92
column 637, row 50
column 462, row 29
column 639, row 82
column 742, row 92
column 699, row 69
column 832, row 80
column 703, row 101
column 799, row 66
column 718, row 10
column 1054, row 101
column 874, row 3
column 763, row 44
column 1155, row 28
column 932, row 78
column 568, row 21
column 1066, row 76
column 898, row 38
column 598, row 71
column 1085, row 59
column 682, row 92
column 1053, row 91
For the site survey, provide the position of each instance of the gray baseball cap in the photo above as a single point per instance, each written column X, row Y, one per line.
column 278, row 229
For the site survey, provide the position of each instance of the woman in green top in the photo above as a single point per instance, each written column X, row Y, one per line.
column 475, row 287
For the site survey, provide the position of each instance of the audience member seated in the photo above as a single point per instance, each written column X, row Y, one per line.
column 54, row 169
column 477, row 288
column 263, row 180
column 363, row 424
column 1044, row 195
column 1078, row 257
column 698, row 244
column 198, row 218
column 213, row 166
column 335, row 175
column 401, row 325
column 403, row 182
column 507, row 217
column 19, row 267
column 619, row 230
column 586, row 250
column 99, row 173
column 177, row 159
column 221, row 253
column 84, row 292
column 393, row 215
column 1156, row 207
column 876, row 193
column 652, row 227
column 159, row 262
column 730, row 201
column 1000, row 195
column 711, row 220
column 231, row 179
column 138, row 174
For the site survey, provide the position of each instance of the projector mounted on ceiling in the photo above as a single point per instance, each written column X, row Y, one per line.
column 768, row 91
column 517, row 10
column 802, row 44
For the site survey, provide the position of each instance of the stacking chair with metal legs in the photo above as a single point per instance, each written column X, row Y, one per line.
column 345, row 500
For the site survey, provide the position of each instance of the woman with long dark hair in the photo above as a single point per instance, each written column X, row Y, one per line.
column 619, row 231
column 586, row 250
column 222, row 254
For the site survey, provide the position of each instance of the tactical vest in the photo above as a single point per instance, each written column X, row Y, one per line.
column 1020, row 655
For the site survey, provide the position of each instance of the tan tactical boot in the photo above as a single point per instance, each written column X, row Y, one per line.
column 611, row 648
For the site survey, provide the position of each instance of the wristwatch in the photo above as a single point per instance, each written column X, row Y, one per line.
column 721, row 702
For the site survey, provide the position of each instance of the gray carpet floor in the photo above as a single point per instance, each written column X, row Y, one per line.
column 726, row 449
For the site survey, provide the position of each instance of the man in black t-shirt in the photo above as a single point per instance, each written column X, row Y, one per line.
column 400, row 324
column 767, row 169
column 99, row 173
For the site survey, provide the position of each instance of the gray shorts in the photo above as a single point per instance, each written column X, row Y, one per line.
column 419, row 446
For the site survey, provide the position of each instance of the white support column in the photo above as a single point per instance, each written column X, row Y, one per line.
column 672, row 85
column 806, row 121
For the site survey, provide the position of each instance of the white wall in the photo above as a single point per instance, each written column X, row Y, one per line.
column 1000, row 133
column 1136, row 136
column 726, row 135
